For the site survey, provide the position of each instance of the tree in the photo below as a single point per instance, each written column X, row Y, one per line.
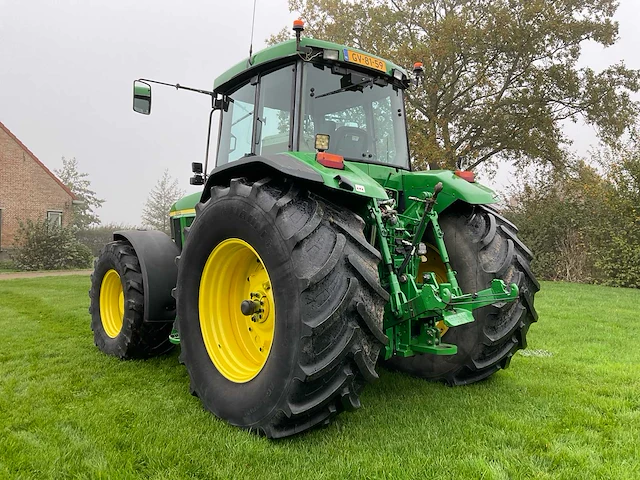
column 84, row 212
column 500, row 76
column 96, row 237
column 159, row 201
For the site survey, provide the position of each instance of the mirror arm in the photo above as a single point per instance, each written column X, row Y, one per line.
column 221, row 104
column 217, row 104
column 177, row 86
column 206, row 154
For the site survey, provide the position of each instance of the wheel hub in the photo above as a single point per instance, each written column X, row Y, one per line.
column 238, row 340
column 257, row 307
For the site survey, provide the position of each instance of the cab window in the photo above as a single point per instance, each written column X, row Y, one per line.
column 362, row 113
column 237, row 125
column 246, row 130
column 273, row 124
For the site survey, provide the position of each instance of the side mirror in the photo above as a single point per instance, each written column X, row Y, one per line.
column 198, row 178
column 141, row 97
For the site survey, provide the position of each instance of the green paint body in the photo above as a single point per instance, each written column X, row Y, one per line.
column 398, row 207
column 376, row 180
column 288, row 49
column 187, row 203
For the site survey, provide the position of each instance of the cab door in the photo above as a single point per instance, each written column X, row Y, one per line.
column 259, row 118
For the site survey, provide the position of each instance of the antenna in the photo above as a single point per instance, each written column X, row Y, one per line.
column 253, row 22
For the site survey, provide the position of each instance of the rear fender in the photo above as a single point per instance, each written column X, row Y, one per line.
column 454, row 188
column 301, row 166
column 157, row 254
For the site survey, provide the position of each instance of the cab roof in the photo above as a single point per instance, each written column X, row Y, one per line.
column 288, row 49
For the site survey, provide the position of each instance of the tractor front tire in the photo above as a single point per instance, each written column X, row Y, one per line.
column 279, row 306
column 482, row 245
column 117, row 307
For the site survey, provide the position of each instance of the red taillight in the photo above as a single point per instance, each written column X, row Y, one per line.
column 330, row 160
column 466, row 175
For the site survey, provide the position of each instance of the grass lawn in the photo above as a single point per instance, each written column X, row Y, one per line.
column 569, row 407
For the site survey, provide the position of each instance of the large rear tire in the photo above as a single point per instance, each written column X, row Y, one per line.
column 117, row 307
column 322, row 328
column 482, row 245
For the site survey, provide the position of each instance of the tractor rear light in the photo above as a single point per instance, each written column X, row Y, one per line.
column 330, row 54
column 398, row 75
column 330, row 160
column 466, row 175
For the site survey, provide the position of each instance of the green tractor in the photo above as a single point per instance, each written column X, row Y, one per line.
column 314, row 252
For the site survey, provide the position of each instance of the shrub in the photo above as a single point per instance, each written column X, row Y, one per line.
column 583, row 225
column 41, row 246
column 553, row 212
column 618, row 236
column 96, row 237
column 7, row 265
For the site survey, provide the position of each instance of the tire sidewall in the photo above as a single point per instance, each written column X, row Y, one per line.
column 250, row 403
column 464, row 253
column 110, row 345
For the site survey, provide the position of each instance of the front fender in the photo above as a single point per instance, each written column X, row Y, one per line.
column 157, row 256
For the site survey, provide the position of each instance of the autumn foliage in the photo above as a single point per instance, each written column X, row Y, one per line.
column 583, row 223
column 500, row 76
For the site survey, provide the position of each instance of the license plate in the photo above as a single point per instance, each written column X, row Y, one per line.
column 365, row 60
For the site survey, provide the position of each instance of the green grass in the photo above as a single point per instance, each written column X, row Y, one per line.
column 569, row 408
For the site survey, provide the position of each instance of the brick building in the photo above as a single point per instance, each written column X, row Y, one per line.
column 28, row 190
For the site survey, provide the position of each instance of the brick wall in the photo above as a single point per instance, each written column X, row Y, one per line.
column 27, row 188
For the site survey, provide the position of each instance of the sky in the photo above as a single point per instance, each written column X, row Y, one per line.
column 66, row 72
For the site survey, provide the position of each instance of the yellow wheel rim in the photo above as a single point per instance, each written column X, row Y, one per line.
column 238, row 344
column 434, row 264
column 111, row 303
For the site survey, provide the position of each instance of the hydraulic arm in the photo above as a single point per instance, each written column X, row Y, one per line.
column 421, row 308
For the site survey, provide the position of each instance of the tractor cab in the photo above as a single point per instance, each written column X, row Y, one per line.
column 307, row 95
column 330, row 99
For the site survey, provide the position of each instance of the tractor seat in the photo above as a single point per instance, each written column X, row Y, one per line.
column 351, row 142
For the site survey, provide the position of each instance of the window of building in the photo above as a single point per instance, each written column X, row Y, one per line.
column 54, row 218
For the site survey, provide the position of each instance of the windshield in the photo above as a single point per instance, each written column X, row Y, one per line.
column 362, row 114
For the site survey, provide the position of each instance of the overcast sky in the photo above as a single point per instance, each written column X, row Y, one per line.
column 66, row 69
